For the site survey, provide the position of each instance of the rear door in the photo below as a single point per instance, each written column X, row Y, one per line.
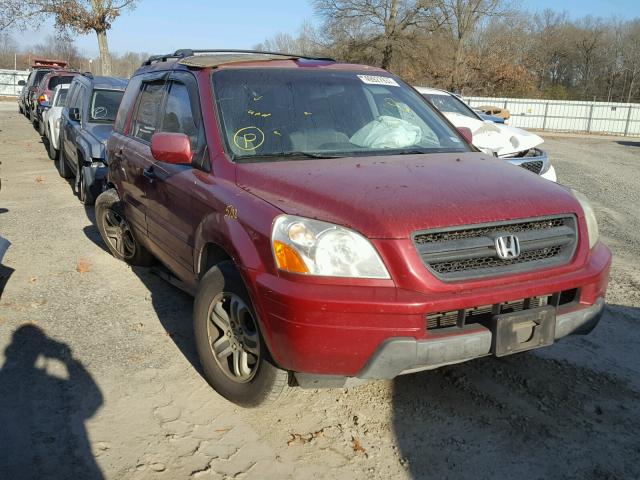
column 135, row 151
column 170, row 192
column 72, row 127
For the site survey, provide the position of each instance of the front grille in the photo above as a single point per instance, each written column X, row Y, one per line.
column 535, row 166
column 469, row 252
column 483, row 314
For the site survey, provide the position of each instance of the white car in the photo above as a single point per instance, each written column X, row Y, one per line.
column 513, row 144
column 51, row 119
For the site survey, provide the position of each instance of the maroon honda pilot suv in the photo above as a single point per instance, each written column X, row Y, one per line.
column 333, row 227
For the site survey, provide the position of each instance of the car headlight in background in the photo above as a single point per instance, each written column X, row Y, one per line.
column 590, row 217
column 312, row 247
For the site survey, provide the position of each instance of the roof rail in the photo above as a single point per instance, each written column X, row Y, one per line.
column 185, row 52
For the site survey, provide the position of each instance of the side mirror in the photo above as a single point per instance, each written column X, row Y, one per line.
column 466, row 133
column 74, row 114
column 21, row 83
column 172, row 148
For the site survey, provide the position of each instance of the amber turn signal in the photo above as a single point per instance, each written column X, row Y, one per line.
column 288, row 259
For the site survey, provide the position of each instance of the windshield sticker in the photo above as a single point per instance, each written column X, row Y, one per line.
column 248, row 138
column 378, row 80
column 454, row 139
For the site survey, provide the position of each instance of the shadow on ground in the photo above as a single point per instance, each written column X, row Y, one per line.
column 522, row 416
column 173, row 306
column 46, row 395
column 628, row 143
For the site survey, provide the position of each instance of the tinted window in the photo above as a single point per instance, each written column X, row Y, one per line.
column 145, row 121
column 127, row 102
column 59, row 80
column 269, row 113
column 104, row 105
column 178, row 115
column 39, row 76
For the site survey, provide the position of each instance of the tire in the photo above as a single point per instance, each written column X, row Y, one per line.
column 222, row 290
column 51, row 150
column 41, row 129
column 116, row 232
column 63, row 166
column 85, row 191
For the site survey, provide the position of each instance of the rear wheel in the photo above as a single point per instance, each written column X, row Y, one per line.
column 51, row 149
column 232, row 352
column 117, row 233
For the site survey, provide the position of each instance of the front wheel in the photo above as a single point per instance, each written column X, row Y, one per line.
column 232, row 352
column 85, row 191
column 117, row 233
column 63, row 166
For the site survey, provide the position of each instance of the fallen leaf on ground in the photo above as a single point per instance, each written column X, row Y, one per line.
column 32, row 279
column 304, row 438
column 83, row 266
column 357, row 446
column 39, row 179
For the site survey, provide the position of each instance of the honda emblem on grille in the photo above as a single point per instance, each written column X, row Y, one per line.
column 507, row 247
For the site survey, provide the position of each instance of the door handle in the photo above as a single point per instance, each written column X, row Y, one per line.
column 149, row 173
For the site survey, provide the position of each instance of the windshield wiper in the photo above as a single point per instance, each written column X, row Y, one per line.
column 284, row 155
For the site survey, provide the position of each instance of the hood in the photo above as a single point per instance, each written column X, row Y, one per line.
column 391, row 197
column 495, row 138
column 100, row 132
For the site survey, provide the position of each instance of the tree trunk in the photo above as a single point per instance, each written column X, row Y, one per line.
column 389, row 33
column 105, row 56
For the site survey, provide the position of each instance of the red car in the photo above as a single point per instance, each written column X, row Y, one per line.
column 334, row 227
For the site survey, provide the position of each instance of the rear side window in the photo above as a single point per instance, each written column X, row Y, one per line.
column 127, row 103
column 59, row 80
column 146, row 119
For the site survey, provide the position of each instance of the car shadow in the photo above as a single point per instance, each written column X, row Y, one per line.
column 46, row 396
column 172, row 306
column 523, row 416
column 628, row 143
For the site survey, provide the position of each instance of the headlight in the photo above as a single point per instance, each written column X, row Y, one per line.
column 312, row 247
column 590, row 217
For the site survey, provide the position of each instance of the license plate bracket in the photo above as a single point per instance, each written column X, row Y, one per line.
column 519, row 331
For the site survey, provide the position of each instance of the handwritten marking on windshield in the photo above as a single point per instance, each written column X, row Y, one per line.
column 248, row 138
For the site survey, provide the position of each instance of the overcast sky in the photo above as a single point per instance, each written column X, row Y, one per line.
column 161, row 26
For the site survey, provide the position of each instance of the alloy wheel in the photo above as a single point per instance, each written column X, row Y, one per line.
column 234, row 337
column 118, row 234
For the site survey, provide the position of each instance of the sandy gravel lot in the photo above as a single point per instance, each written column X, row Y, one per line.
column 99, row 377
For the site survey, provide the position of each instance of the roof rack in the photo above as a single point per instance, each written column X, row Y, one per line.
column 184, row 53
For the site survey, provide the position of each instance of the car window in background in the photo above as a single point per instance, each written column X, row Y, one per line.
column 271, row 113
column 61, row 98
column 450, row 104
column 39, row 76
column 59, row 80
column 145, row 121
column 104, row 105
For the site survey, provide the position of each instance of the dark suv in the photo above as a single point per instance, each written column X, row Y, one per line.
column 334, row 227
column 86, row 123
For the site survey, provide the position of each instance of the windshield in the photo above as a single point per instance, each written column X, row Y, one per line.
column 450, row 104
column 269, row 113
column 39, row 75
column 104, row 105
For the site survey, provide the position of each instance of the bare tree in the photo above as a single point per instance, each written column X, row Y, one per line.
column 461, row 20
column 79, row 16
column 384, row 23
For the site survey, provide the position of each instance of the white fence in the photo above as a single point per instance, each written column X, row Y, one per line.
column 567, row 116
column 9, row 82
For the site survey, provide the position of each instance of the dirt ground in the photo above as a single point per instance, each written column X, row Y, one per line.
column 99, row 376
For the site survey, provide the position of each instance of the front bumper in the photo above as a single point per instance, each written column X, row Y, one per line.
column 398, row 356
column 530, row 162
column 338, row 330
